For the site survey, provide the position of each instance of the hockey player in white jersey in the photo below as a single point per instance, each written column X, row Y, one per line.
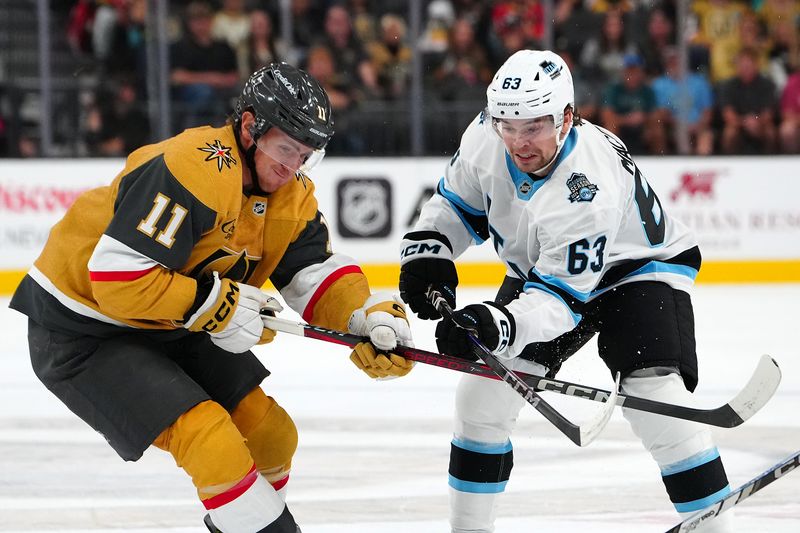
column 588, row 250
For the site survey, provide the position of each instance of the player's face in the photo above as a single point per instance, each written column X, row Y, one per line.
column 530, row 142
column 278, row 159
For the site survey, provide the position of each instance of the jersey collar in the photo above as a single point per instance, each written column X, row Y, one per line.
column 527, row 184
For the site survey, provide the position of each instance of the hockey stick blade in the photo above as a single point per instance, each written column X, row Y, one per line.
column 581, row 435
column 747, row 402
column 738, row 496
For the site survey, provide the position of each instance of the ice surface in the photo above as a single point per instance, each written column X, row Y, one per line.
column 373, row 455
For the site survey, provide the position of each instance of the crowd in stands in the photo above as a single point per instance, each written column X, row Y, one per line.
column 737, row 91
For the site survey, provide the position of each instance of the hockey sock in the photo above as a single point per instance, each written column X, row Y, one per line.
column 209, row 447
column 478, row 473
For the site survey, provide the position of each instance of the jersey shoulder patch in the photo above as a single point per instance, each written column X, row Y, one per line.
column 207, row 163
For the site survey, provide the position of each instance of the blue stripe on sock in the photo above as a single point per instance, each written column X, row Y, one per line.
column 481, row 447
column 476, row 488
column 702, row 503
column 699, row 459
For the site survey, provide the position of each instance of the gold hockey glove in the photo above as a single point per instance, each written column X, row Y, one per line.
column 383, row 319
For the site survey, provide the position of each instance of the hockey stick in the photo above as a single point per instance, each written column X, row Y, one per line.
column 746, row 403
column 580, row 435
column 739, row 495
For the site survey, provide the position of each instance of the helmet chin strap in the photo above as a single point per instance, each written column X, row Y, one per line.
column 250, row 161
column 559, row 145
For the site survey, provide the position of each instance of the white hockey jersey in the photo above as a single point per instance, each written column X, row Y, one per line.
column 591, row 224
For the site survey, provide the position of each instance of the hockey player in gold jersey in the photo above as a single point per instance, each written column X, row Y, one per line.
column 146, row 299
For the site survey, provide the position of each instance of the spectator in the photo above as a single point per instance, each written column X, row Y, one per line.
column 263, row 46
column 629, row 110
column 117, row 124
column 105, row 19
column 587, row 94
column 718, row 34
column 775, row 12
column 529, row 14
column 509, row 34
column 784, row 52
column 127, row 53
column 574, row 24
column 351, row 60
column 204, row 71
column 660, row 35
column 364, row 24
column 436, row 34
column 391, row 58
column 79, row 26
column 790, row 115
column 232, row 25
column 342, row 95
column 685, row 97
column 748, row 102
column 602, row 57
column 307, row 24
column 464, row 72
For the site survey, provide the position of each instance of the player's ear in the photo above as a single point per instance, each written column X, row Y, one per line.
column 245, row 126
column 568, row 116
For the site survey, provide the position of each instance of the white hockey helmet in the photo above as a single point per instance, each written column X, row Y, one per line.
column 531, row 84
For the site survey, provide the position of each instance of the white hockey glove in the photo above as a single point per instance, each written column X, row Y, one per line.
column 231, row 315
column 383, row 319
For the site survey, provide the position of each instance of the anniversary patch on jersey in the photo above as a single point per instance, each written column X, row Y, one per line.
column 580, row 189
column 220, row 154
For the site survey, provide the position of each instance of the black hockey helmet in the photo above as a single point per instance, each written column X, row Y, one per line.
column 290, row 99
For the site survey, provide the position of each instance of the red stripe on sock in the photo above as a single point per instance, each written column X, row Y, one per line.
column 278, row 485
column 327, row 282
column 234, row 492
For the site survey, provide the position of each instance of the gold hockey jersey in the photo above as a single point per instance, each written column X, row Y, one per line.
column 132, row 254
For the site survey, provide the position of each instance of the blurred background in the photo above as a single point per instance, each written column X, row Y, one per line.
column 98, row 78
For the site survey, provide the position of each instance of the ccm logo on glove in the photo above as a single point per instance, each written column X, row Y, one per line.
column 226, row 305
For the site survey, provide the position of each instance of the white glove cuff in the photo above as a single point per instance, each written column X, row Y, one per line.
column 504, row 322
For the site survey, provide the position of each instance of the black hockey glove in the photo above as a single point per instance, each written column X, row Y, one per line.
column 426, row 260
column 491, row 323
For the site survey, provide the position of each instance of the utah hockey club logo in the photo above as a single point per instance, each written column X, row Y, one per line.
column 222, row 154
column 550, row 68
column 580, row 189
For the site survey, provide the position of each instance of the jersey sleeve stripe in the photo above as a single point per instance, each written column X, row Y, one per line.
column 576, row 316
column 559, row 286
column 308, row 312
column 111, row 255
column 476, row 222
column 119, row 275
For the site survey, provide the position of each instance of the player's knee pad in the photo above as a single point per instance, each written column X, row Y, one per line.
column 486, row 410
column 669, row 440
column 271, row 435
column 208, row 446
column 691, row 467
